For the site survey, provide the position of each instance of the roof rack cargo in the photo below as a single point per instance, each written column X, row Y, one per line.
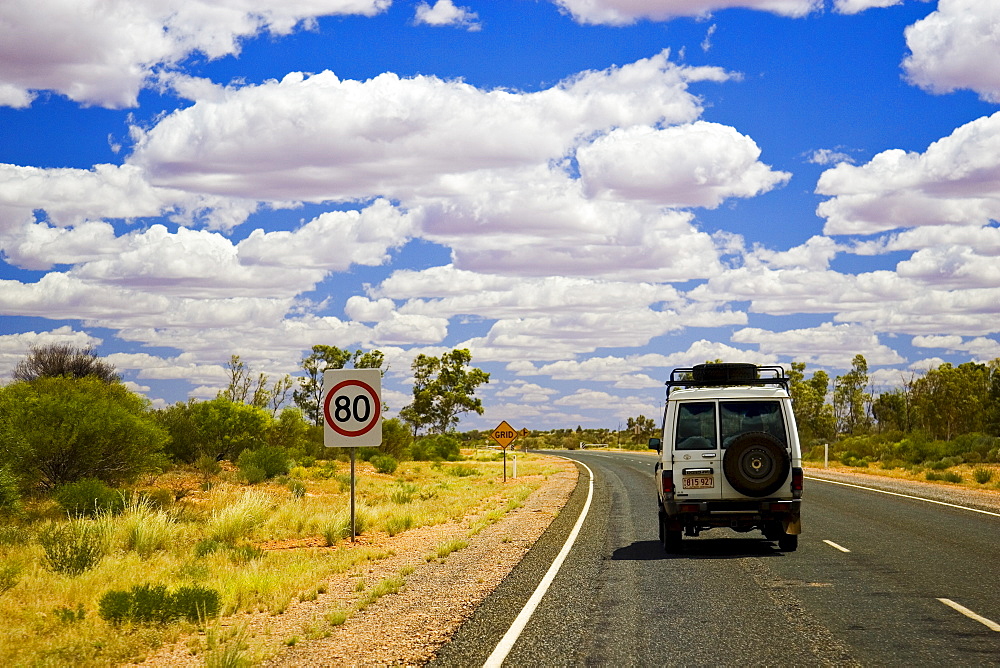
column 727, row 373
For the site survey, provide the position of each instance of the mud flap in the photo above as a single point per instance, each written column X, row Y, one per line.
column 793, row 527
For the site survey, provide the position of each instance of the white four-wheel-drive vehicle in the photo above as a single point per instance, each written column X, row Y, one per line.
column 729, row 454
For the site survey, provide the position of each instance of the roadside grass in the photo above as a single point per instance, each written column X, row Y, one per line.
column 220, row 537
column 984, row 476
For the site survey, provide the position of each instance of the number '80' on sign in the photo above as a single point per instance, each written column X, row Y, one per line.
column 351, row 407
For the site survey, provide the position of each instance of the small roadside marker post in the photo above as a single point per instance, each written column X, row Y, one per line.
column 352, row 415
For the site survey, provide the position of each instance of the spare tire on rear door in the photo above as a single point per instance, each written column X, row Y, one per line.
column 756, row 464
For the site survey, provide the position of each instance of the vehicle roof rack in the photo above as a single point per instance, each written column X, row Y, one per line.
column 727, row 374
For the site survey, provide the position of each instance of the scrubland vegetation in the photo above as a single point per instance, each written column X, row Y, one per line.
column 124, row 527
column 92, row 575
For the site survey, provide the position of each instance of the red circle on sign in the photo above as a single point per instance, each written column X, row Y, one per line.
column 375, row 414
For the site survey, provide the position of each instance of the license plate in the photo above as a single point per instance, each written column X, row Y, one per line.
column 699, row 482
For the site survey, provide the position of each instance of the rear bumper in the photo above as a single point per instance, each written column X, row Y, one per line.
column 735, row 514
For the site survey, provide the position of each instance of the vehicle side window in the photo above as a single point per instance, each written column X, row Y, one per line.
column 695, row 426
column 740, row 417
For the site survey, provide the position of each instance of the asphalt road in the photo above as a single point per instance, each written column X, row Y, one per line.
column 864, row 587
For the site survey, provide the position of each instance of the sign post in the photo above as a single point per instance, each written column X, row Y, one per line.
column 504, row 435
column 352, row 414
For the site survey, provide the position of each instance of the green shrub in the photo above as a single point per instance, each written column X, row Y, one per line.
column 951, row 476
column 396, row 439
column 219, row 429
column 68, row 615
column 384, row 463
column 850, row 460
column 463, row 471
column 297, row 488
column 10, row 575
column 251, row 474
column 154, row 604
column 208, row 466
column 88, row 497
column 366, row 454
column 931, row 475
column 982, row 474
column 74, row 428
column 440, row 447
column 268, row 461
column 207, row 546
column 10, row 494
column 194, row 603
column 159, row 498
column 73, row 547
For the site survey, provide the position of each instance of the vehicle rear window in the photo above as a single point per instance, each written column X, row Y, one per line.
column 740, row 417
column 695, row 426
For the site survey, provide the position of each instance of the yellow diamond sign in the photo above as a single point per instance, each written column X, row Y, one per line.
column 504, row 434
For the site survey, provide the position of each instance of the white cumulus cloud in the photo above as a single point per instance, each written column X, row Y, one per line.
column 956, row 181
column 625, row 12
column 446, row 13
column 956, row 47
column 103, row 52
column 322, row 138
column 699, row 164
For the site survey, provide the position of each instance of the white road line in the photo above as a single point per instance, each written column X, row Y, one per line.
column 905, row 496
column 835, row 546
column 506, row 643
column 988, row 623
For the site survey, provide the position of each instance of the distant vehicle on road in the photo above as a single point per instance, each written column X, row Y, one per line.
column 729, row 454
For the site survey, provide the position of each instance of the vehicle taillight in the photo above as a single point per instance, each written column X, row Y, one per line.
column 668, row 485
column 797, row 479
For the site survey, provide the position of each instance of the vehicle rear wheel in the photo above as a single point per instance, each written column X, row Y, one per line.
column 788, row 543
column 670, row 539
column 773, row 530
column 756, row 464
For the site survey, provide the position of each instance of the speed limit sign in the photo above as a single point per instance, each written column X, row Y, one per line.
column 352, row 408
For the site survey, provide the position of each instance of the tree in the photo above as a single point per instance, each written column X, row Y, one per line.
column 61, row 359
column 442, row 389
column 949, row 401
column 640, row 428
column 814, row 417
column 893, row 410
column 310, row 393
column 62, row 429
column 244, row 389
column 851, row 400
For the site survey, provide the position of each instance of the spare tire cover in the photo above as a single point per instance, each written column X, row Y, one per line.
column 756, row 464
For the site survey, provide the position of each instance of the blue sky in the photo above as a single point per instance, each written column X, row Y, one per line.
column 585, row 193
